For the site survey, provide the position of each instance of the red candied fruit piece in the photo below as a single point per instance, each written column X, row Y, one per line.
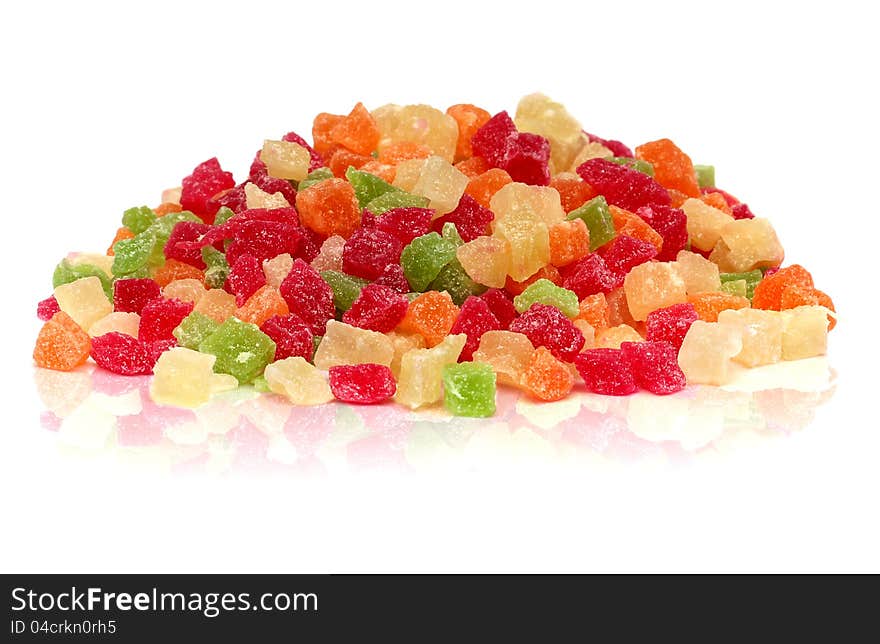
column 741, row 211
column 159, row 347
column 670, row 324
column 234, row 199
column 292, row 336
column 130, row 295
column 47, row 308
column 315, row 160
column 259, row 176
column 494, row 139
column 368, row 251
column 199, row 188
column 394, row 278
column 474, row 319
column 529, row 160
column 470, row 218
column 501, row 306
column 363, row 384
column 160, row 317
column 617, row 148
column 188, row 253
column 404, row 223
column 671, row 224
column 308, row 296
column 547, row 326
column 377, row 308
column 606, row 371
column 264, row 240
column 589, row 276
column 654, row 366
column 625, row 252
column 245, row 278
column 120, row 353
column 621, row 186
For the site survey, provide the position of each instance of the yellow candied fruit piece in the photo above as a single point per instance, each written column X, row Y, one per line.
column 805, row 332
column 614, row 336
column 185, row 378
column 285, row 160
column 277, row 268
column 486, row 260
column 119, row 322
column 344, row 344
column 420, row 124
column 747, row 244
column 83, row 300
column 699, row 274
column 185, row 290
column 299, row 381
column 704, row 223
column 539, row 114
column 421, row 372
column 403, row 342
column 706, row 353
column 507, row 352
column 651, row 286
column 257, row 198
column 542, row 202
column 441, row 183
column 760, row 332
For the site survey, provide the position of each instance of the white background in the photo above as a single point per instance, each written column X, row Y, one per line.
column 105, row 105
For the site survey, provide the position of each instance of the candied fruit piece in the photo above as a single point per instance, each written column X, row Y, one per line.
column 508, row 353
column 420, row 124
column 469, row 118
column 573, row 191
column 61, row 344
column 358, row 131
column 699, row 274
column 377, row 308
column 471, row 220
column 652, row 286
column 474, row 319
column 484, row 186
column 330, row 256
column 670, row 324
column 741, row 211
column 795, row 296
column 315, row 176
column 423, row 258
column 403, row 223
column 242, row 350
column 322, row 126
column 589, row 150
column 420, row 381
column 186, row 290
column 709, row 305
column 550, row 272
column 292, row 336
column 569, row 242
column 706, row 352
column 117, row 321
column 345, row 344
column 673, row 169
column 518, row 223
column 346, row 288
column 285, row 160
column 363, row 384
column 805, row 332
column 396, row 199
column 606, row 371
column 705, row 175
column 265, row 303
column 760, row 332
column 265, row 239
column 671, row 224
column 501, row 306
column 473, row 167
column 121, row 233
column 453, row 279
column 403, row 342
column 122, row 354
column 494, row 138
column 768, row 292
column 130, row 295
column 308, row 296
column 329, row 207
column 593, row 309
column 469, row 389
column 217, row 304
column 441, row 184
column 194, row 328
column 750, row 279
column 528, row 159
column 174, row 270
column 368, row 251
column 245, row 278
column 589, row 276
column 367, row 186
column 315, row 160
column 632, row 225
column 595, row 214
column 183, row 378
column 159, row 317
column 257, row 198
column 198, row 189
column 546, row 292
column 625, row 252
column 735, row 287
column 138, row 219
column 431, row 315
column 704, row 224
column 547, row 326
column 83, row 300
column 621, row 186
column 277, row 268
column 654, row 366
column 538, row 114
column 747, row 244
column 614, row 336
column 546, row 378
column 486, row 260
column 393, row 277
column 395, row 152
column 299, row 381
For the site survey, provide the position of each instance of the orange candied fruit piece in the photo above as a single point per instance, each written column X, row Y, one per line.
column 593, row 309
column 473, row 167
column 546, row 378
column 470, row 118
column 794, row 296
column 321, row 128
column 343, row 158
column 569, row 242
column 431, row 315
column 265, row 303
column 676, row 198
column 618, row 309
column 709, row 305
column 673, row 168
column 548, row 272
column 399, row 151
column 358, row 131
column 716, row 200
column 573, row 191
column 61, row 345
column 122, row 232
column 384, row 171
column 483, row 187
column 166, row 208
column 627, row 223
column 768, row 292
column 173, row 270
column 329, row 207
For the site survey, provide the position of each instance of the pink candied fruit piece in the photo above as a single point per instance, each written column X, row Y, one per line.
column 246, row 277
column 671, row 224
column 160, row 316
column 547, row 326
column 529, row 160
column 670, row 324
column 130, row 295
column 621, row 186
column 501, row 306
column 364, row 384
column 654, row 366
column 589, row 276
column 199, row 188
column 625, row 252
column 471, row 219
column 308, row 296
column 494, row 139
column 316, row 160
column 474, row 319
column 264, row 240
column 617, row 148
column 291, row 335
column 394, row 278
column 368, row 251
column 606, row 371
column 47, row 308
column 404, row 223
column 188, row 253
column 122, row 354
column 234, row 199
column 741, row 211
column 158, row 347
column 377, row 308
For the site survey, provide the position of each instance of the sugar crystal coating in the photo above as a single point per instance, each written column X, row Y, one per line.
column 606, row 371
column 160, row 317
column 654, row 366
column 507, row 352
column 362, row 383
column 546, row 292
column 123, row 354
column 469, row 389
column 127, row 323
column 241, row 349
column 546, row 378
column 653, row 286
column 670, row 324
column 547, row 326
column 183, row 378
column 308, row 296
column 377, row 308
column 61, row 345
column 706, row 352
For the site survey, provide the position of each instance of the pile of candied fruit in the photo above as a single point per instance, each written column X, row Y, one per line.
column 427, row 256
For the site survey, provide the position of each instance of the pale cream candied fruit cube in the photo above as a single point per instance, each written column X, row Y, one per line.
column 300, row 382
column 704, row 223
column 83, row 300
column 344, row 344
column 613, row 337
column 760, row 333
column 118, row 322
column 516, row 199
column 529, row 240
column 421, row 372
column 277, row 268
column 507, row 352
column 651, row 286
column 706, row 353
column 441, row 183
column 747, row 244
column 420, row 124
column 183, row 378
column 539, row 114
column 486, row 260
column 407, row 174
column 699, row 274
column 285, row 160
column 805, row 332
column 258, row 198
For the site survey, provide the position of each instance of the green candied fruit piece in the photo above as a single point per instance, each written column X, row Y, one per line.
column 450, row 233
column 141, row 273
column 242, row 350
column 346, row 288
column 423, row 259
column 315, row 176
column 217, row 267
column 138, row 219
column 367, row 187
column 454, row 280
column 397, row 199
column 469, row 389
column 636, row 164
column 735, row 287
column 546, row 292
column 65, row 273
column 223, row 215
column 751, row 279
column 162, row 228
column 705, row 175
column 194, row 328
column 261, row 385
column 131, row 255
column 598, row 219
